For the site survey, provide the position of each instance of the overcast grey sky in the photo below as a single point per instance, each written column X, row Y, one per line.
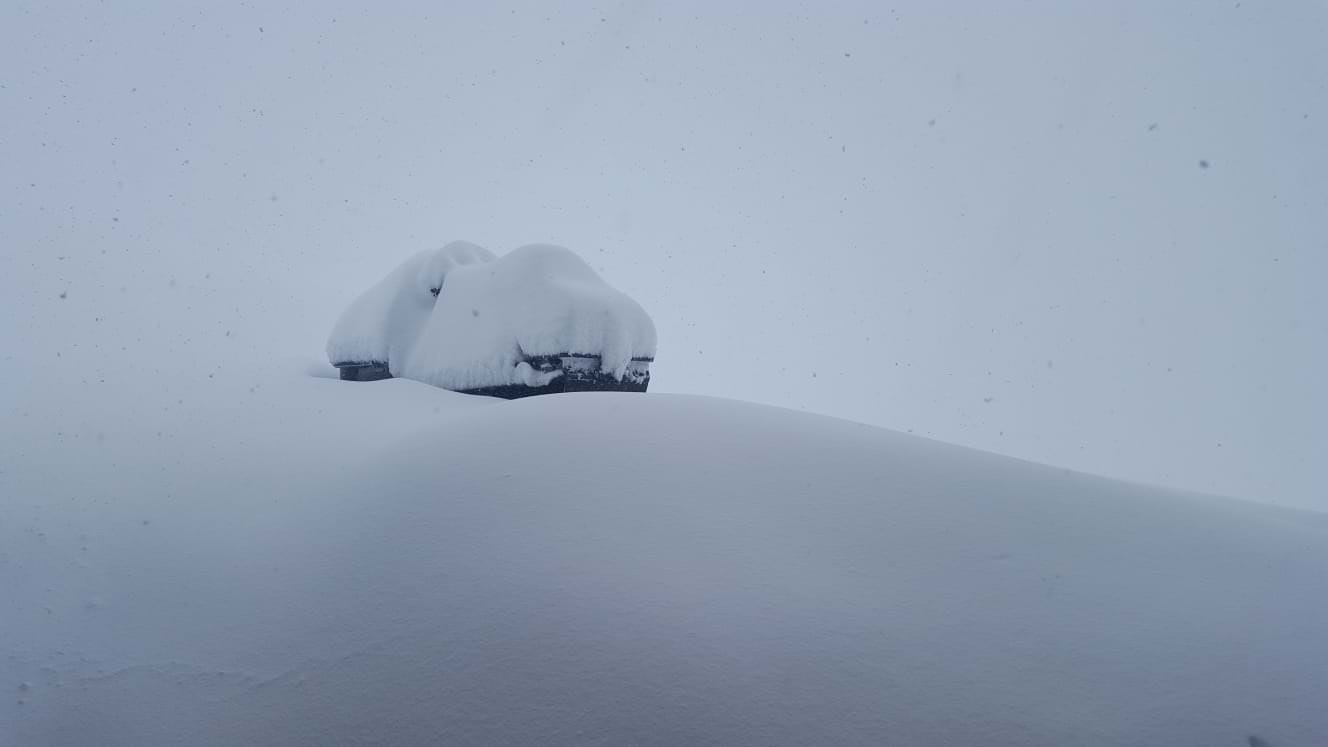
column 1086, row 234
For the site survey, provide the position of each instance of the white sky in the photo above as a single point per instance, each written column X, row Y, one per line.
column 985, row 223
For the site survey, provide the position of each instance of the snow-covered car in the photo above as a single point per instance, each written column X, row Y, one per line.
column 537, row 320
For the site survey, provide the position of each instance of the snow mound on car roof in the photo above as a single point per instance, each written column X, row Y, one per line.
column 385, row 321
column 489, row 316
column 537, row 300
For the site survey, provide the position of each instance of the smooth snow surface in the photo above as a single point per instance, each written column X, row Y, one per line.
column 326, row 562
column 489, row 316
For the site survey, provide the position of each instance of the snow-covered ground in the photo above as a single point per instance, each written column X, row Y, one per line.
column 314, row 562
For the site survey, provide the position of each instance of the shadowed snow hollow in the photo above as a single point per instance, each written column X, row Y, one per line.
column 459, row 319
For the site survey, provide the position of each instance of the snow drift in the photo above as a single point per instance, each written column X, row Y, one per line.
column 465, row 571
column 459, row 319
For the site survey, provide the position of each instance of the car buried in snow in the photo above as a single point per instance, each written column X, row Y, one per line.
column 537, row 320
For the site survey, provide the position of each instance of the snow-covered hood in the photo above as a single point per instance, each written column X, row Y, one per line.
column 458, row 318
